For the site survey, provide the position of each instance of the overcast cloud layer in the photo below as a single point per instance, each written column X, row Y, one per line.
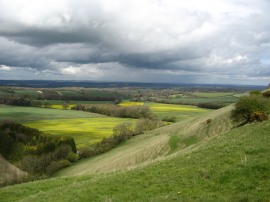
column 210, row 41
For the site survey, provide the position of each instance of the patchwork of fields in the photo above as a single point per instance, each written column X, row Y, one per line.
column 86, row 128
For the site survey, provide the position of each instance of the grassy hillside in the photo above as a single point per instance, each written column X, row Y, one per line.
column 194, row 160
column 155, row 144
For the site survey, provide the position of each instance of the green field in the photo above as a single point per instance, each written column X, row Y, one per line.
column 85, row 131
column 213, row 95
column 25, row 114
column 186, row 161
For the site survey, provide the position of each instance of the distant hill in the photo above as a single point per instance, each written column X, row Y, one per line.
column 108, row 84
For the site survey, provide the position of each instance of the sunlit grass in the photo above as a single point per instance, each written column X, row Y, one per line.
column 181, row 112
column 125, row 104
column 85, row 131
column 57, row 106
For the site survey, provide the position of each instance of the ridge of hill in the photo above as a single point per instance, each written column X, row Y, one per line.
column 198, row 160
column 9, row 172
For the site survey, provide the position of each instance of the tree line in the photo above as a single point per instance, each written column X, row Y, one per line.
column 117, row 111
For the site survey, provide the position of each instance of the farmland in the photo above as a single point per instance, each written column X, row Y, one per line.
column 181, row 112
column 85, row 131
column 84, row 127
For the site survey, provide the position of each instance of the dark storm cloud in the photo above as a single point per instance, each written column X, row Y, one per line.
column 70, row 37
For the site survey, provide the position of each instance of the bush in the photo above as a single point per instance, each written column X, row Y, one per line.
column 72, row 157
column 258, row 117
column 170, row 119
column 86, row 152
column 247, row 105
column 57, row 165
column 266, row 94
column 208, row 121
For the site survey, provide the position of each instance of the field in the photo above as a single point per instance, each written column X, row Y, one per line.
column 85, row 131
column 84, row 127
column 205, row 97
column 126, row 104
column 26, row 114
column 181, row 112
column 213, row 95
column 186, row 161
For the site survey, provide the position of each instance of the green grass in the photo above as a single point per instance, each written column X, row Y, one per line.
column 223, row 164
column 85, row 131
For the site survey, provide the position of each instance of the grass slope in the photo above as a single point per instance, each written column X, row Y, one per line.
column 199, row 162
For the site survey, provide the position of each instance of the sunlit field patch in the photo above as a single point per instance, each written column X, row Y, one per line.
column 181, row 112
column 56, row 106
column 84, row 130
column 125, row 104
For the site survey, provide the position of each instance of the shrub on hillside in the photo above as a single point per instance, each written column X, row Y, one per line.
column 258, row 117
column 170, row 119
column 266, row 94
column 208, row 121
column 247, row 105
column 57, row 165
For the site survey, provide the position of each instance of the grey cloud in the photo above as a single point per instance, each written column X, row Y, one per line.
column 194, row 40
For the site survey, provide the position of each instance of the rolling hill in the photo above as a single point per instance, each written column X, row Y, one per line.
column 207, row 158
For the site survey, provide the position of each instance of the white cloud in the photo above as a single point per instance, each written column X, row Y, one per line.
column 5, row 68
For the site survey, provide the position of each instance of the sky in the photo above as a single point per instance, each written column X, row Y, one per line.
column 160, row 41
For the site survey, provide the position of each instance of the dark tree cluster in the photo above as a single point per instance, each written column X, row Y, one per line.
column 117, row 111
column 16, row 100
column 31, row 149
